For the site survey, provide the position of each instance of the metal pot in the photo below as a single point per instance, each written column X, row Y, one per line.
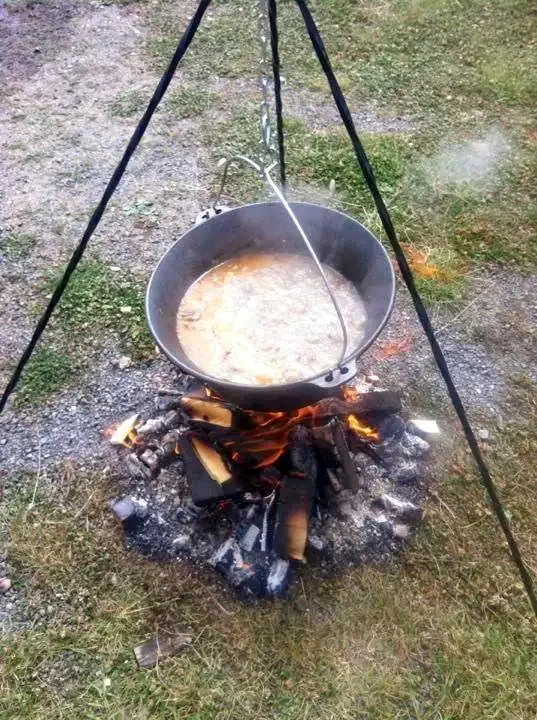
column 338, row 240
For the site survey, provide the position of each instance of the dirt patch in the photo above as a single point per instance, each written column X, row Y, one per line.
column 30, row 37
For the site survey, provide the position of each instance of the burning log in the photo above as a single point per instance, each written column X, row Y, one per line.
column 369, row 403
column 209, row 477
column 349, row 477
column 292, row 517
column 296, row 498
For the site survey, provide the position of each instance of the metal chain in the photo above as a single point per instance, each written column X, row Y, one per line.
column 267, row 153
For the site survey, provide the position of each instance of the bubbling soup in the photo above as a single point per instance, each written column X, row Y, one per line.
column 267, row 319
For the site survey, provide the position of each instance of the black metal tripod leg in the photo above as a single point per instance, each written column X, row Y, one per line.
column 369, row 176
column 273, row 22
column 114, row 181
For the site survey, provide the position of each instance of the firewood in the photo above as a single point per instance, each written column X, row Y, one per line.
column 125, row 431
column 212, row 412
column 369, row 403
column 292, row 517
column 150, row 653
column 209, row 477
column 350, row 476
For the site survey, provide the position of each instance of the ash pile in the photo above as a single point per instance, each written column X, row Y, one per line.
column 255, row 495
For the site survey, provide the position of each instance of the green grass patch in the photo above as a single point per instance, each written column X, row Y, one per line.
column 191, row 101
column 48, row 371
column 17, row 246
column 129, row 103
column 99, row 299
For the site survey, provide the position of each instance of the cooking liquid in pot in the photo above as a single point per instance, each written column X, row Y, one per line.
column 267, row 319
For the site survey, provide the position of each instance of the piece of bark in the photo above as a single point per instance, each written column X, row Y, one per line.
column 150, row 653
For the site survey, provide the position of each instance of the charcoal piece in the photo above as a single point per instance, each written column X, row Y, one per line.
column 404, row 472
column 137, row 469
column 229, row 561
column 189, row 513
column 404, row 510
column 208, row 482
column 302, row 452
column 349, row 476
column 250, row 538
column 279, row 578
column 149, row 653
column 292, row 517
column 151, row 459
column 414, row 446
column 129, row 508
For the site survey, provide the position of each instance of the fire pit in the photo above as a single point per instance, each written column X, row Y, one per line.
column 257, row 494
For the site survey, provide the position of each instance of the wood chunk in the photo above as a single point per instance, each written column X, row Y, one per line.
column 211, row 460
column 150, row 653
column 212, row 412
column 350, row 476
column 302, row 452
column 123, row 432
column 208, row 476
column 292, row 517
column 369, row 403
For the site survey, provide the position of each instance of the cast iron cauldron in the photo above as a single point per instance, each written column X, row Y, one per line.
column 338, row 240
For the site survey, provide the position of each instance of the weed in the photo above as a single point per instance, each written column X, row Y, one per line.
column 17, row 246
column 48, row 371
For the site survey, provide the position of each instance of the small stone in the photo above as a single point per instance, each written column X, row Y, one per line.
column 181, row 542
column 125, row 309
column 129, row 507
column 124, row 362
column 483, row 434
column 345, row 509
column 315, row 542
column 373, row 379
column 5, row 584
column 424, row 428
column 401, row 531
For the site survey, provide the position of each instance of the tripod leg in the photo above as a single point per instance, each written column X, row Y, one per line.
column 114, row 181
column 273, row 21
column 423, row 316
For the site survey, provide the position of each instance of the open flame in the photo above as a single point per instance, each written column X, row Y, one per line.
column 268, row 438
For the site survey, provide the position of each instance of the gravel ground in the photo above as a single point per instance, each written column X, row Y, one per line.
column 62, row 67
column 71, row 424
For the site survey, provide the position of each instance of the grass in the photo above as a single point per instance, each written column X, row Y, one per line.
column 129, row 103
column 444, row 633
column 99, row 299
column 459, row 216
column 189, row 102
column 48, row 371
column 17, row 246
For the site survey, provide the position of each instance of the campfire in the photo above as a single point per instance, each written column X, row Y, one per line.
column 257, row 494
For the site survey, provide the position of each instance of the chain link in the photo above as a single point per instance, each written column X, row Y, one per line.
column 267, row 153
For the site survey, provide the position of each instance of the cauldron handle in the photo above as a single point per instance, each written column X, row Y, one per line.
column 264, row 172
